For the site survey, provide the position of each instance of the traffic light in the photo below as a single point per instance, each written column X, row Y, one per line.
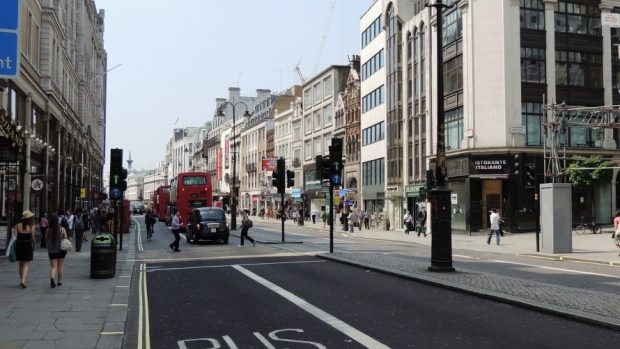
column 518, row 166
column 116, row 173
column 274, row 179
column 335, row 156
column 322, row 166
column 530, row 174
column 290, row 178
column 422, row 193
column 281, row 173
column 124, row 179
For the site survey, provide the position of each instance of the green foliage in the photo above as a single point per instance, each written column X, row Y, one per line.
column 595, row 175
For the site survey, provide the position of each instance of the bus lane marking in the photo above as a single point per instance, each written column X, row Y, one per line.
column 275, row 336
column 327, row 318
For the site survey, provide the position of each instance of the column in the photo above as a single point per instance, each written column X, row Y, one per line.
column 27, row 177
column 550, row 51
column 608, row 142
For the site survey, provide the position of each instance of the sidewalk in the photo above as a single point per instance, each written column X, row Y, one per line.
column 595, row 248
column 82, row 313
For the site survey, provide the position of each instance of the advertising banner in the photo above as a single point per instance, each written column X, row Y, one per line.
column 270, row 164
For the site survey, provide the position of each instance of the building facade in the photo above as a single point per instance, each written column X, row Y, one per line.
column 54, row 111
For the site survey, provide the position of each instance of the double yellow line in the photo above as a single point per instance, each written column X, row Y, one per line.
column 144, row 328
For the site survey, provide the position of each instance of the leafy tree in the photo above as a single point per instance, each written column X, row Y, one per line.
column 587, row 173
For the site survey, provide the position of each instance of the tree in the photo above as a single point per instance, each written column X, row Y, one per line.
column 588, row 173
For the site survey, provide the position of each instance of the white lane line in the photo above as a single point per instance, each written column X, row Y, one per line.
column 140, row 310
column 147, row 323
column 462, row 256
column 139, row 234
column 556, row 269
column 331, row 320
column 158, row 268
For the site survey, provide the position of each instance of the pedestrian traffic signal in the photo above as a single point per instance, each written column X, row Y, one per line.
column 290, row 178
column 530, row 174
column 116, row 173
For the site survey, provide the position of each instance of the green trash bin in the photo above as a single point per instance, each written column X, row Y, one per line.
column 102, row 256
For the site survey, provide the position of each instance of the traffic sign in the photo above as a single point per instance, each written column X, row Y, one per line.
column 9, row 38
column 116, row 194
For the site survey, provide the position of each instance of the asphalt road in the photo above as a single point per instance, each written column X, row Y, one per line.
column 303, row 302
column 215, row 295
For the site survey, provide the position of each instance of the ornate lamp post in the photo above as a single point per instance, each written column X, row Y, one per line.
column 233, row 194
column 441, row 219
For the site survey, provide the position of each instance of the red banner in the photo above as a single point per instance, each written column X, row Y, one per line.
column 270, row 164
column 218, row 163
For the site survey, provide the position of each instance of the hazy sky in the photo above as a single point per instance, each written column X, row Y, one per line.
column 177, row 56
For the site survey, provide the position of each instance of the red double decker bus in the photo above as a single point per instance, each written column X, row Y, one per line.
column 161, row 199
column 188, row 191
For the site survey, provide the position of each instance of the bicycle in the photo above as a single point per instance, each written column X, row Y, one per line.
column 592, row 227
column 132, row 224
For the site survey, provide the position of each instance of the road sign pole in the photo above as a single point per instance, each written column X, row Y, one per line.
column 282, row 205
column 331, row 217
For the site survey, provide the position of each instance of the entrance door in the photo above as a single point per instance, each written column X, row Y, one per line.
column 492, row 194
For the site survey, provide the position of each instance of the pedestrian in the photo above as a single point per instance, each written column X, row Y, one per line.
column 324, row 217
column 494, row 218
column 421, row 221
column 86, row 218
column 149, row 221
column 175, row 225
column 246, row 224
column 23, row 234
column 78, row 229
column 616, row 234
column 314, row 214
column 70, row 223
column 43, row 224
column 408, row 222
column 366, row 220
column 351, row 219
column 56, row 255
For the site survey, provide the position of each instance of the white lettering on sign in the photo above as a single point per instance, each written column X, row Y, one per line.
column 6, row 63
column 276, row 336
column 489, row 164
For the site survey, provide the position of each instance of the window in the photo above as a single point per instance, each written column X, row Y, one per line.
column 318, row 122
column 372, row 65
column 374, row 133
column 327, row 114
column 328, row 86
column 453, row 74
column 327, row 140
column 532, row 14
column 194, row 180
column 578, row 69
column 373, row 172
column 452, row 27
column 577, row 18
column 454, row 128
column 297, row 133
column 317, row 146
column 308, row 98
column 308, row 149
column 371, row 32
column 373, row 99
column 308, row 119
column 318, row 93
column 533, row 65
column 531, row 115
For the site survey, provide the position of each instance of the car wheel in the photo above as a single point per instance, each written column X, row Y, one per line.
column 226, row 240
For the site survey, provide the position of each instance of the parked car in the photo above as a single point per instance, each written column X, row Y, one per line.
column 207, row 223
column 138, row 208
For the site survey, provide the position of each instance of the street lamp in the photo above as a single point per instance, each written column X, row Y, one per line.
column 233, row 196
column 441, row 219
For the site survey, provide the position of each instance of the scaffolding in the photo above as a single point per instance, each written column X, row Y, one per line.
column 558, row 119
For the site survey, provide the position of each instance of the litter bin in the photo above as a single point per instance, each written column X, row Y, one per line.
column 102, row 256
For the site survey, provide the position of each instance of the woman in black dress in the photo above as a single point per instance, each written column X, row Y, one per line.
column 55, row 234
column 24, row 245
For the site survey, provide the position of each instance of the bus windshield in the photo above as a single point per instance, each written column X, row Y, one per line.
column 194, row 180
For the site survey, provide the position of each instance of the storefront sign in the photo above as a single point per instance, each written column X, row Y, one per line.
column 610, row 20
column 9, row 131
column 412, row 191
column 490, row 165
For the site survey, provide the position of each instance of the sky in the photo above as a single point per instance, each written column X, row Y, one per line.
column 177, row 56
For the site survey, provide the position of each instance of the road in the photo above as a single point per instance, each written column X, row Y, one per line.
column 281, row 296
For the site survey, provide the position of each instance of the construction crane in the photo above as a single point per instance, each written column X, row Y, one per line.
column 323, row 38
column 558, row 118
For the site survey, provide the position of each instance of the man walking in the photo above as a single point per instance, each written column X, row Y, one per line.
column 175, row 225
column 494, row 218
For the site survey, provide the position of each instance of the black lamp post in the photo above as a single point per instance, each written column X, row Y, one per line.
column 439, row 197
column 233, row 196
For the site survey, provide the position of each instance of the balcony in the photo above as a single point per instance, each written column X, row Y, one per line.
column 251, row 167
column 296, row 162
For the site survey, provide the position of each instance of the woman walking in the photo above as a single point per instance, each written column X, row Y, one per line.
column 57, row 256
column 616, row 234
column 24, row 245
column 246, row 224
column 43, row 223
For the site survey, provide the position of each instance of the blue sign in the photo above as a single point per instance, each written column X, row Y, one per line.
column 336, row 179
column 9, row 38
column 116, row 194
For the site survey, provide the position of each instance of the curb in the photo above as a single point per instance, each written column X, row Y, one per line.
column 611, row 323
column 561, row 258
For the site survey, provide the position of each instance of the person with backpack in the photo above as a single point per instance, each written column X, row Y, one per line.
column 246, row 224
column 78, row 228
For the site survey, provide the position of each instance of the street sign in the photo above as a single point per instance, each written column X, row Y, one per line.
column 9, row 38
